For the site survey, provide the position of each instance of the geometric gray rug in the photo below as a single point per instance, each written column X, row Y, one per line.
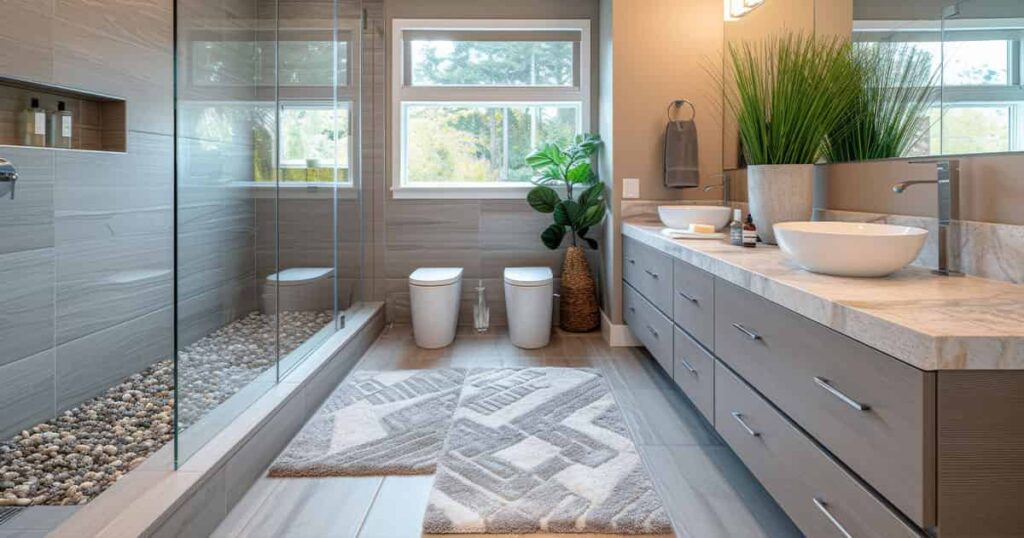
column 541, row 450
column 376, row 423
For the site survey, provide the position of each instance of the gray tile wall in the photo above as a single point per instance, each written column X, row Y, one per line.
column 85, row 257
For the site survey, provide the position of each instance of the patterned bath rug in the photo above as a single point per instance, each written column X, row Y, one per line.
column 376, row 423
column 541, row 450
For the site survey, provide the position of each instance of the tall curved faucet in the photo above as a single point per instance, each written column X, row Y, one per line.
column 948, row 181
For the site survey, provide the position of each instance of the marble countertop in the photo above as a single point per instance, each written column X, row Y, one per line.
column 928, row 321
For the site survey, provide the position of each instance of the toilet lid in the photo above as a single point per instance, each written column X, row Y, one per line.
column 435, row 276
column 528, row 276
column 300, row 275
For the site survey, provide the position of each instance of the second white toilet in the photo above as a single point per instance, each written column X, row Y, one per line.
column 528, row 303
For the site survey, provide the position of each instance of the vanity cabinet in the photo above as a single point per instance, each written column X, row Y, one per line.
column 850, row 441
column 873, row 412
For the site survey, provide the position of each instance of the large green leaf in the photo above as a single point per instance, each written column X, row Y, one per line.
column 592, row 216
column 543, row 199
column 580, row 173
column 592, row 194
column 592, row 243
column 546, row 157
column 568, row 213
column 552, row 236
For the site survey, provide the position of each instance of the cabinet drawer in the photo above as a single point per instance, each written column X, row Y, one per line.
column 648, row 325
column 649, row 271
column 875, row 413
column 693, row 303
column 819, row 495
column 694, row 372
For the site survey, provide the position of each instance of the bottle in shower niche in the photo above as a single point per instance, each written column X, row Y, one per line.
column 736, row 228
column 58, row 132
column 749, row 233
column 32, row 125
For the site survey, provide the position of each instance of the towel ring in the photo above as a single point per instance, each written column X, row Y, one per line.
column 676, row 105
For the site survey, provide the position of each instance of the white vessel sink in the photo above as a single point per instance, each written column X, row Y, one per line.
column 681, row 217
column 850, row 248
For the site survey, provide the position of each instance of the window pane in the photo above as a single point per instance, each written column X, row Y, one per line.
column 310, row 146
column 491, row 63
column 975, row 129
column 975, row 63
column 308, row 63
column 481, row 143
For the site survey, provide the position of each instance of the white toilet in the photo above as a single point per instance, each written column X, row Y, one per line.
column 434, row 294
column 528, row 303
column 298, row 289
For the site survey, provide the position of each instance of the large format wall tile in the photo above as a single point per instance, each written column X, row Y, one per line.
column 113, row 232
column 122, row 48
column 26, row 47
column 202, row 314
column 26, row 393
column 89, row 365
column 27, row 219
column 26, row 296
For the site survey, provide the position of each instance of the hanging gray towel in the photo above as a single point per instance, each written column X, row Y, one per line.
column 682, row 166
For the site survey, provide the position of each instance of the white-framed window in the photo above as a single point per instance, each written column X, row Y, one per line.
column 981, row 65
column 472, row 98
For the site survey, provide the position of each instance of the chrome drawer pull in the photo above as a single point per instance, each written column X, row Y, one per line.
column 823, row 506
column 688, row 366
column 823, row 383
column 651, row 273
column 654, row 332
column 753, row 335
column 688, row 298
column 739, row 418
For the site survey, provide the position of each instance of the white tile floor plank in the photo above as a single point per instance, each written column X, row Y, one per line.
column 707, row 490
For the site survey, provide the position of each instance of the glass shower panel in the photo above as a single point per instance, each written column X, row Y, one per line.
column 256, row 116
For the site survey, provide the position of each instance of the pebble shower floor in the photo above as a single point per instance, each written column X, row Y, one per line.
column 76, row 456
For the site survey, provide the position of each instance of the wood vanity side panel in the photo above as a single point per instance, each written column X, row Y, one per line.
column 980, row 453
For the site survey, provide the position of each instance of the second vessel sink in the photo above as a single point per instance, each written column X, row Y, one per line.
column 681, row 217
column 850, row 248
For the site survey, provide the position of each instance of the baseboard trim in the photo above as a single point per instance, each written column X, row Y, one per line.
column 617, row 335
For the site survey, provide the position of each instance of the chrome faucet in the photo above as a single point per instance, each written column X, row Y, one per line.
column 724, row 185
column 8, row 176
column 948, row 182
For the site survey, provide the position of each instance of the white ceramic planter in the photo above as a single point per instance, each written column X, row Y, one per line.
column 779, row 193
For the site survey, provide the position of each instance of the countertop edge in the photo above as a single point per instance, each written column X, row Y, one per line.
column 915, row 348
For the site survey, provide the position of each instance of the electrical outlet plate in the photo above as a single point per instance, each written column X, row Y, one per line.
column 631, row 188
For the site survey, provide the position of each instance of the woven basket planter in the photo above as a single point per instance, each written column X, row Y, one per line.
column 578, row 308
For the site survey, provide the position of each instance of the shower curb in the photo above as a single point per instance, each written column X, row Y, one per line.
column 156, row 501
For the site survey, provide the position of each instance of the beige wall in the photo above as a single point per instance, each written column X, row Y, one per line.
column 653, row 52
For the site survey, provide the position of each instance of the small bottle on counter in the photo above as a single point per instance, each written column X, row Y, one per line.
column 749, row 233
column 736, row 228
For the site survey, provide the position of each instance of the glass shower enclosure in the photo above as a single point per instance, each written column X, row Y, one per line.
column 267, row 218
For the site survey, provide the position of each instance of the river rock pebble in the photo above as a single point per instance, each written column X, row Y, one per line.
column 77, row 455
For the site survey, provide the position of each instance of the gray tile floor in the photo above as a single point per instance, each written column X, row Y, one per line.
column 708, row 491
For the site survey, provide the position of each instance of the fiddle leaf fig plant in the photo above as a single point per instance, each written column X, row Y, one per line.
column 571, row 168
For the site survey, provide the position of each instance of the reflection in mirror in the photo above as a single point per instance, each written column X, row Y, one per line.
column 975, row 47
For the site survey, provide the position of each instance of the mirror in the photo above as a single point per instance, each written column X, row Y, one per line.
column 974, row 50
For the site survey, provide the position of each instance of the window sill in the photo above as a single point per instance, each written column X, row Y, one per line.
column 298, row 191
column 457, row 191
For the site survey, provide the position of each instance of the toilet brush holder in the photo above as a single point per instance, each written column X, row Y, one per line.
column 481, row 312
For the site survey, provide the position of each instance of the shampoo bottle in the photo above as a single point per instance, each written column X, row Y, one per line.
column 58, row 133
column 32, row 125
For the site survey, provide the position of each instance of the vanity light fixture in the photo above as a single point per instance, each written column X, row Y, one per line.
column 738, row 8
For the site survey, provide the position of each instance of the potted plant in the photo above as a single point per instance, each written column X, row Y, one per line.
column 897, row 87
column 582, row 209
column 787, row 93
